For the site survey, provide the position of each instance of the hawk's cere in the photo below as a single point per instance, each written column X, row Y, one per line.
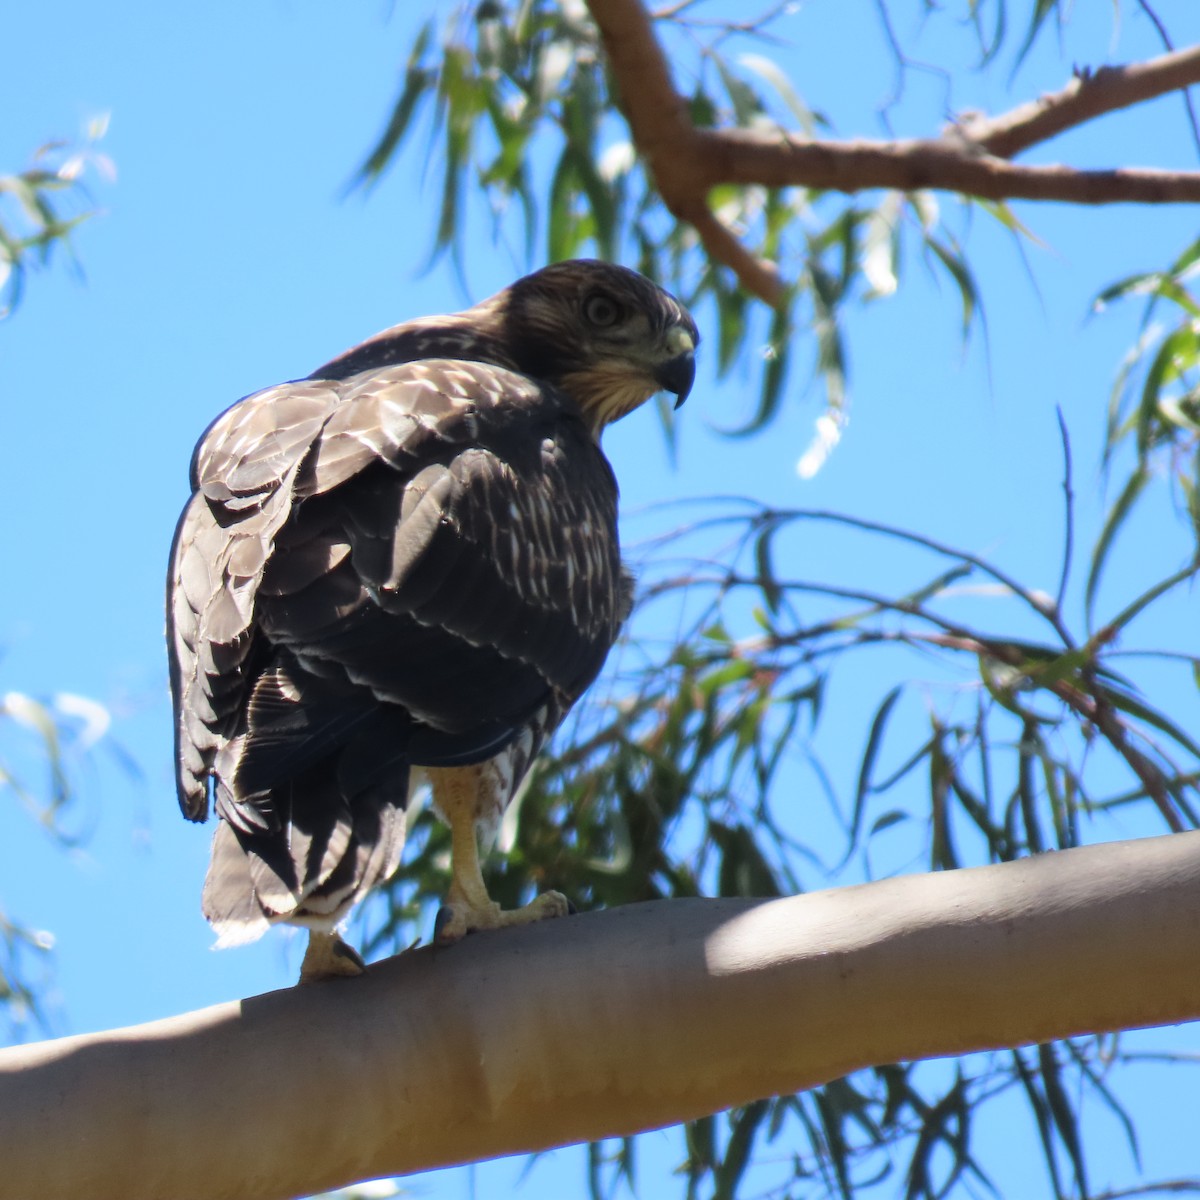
column 406, row 564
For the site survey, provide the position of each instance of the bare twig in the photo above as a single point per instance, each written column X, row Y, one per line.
column 1167, row 1187
column 1087, row 96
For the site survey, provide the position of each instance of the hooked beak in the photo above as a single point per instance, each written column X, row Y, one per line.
column 678, row 373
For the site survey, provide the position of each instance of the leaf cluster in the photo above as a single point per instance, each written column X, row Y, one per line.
column 41, row 207
column 996, row 718
column 1154, row 411
column 694, row 776
column 520, row 112
column 47, row 738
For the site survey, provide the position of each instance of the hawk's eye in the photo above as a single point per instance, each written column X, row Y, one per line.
column 601, row 311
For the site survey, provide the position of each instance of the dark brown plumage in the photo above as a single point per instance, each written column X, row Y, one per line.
column 407, row 560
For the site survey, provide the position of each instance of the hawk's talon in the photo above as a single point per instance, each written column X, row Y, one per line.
column 456, row 919
column 328, row 957
column 445, row 915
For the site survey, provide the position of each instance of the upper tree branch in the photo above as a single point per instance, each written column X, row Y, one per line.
column 664, row 135
column 786, row 160
column 602, row 1025
column 1088, row 95
column 971, row 158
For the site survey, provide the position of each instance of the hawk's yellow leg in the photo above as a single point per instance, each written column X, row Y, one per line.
column 460, row 794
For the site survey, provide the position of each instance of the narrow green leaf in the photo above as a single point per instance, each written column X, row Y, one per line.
column 561, row 224
column 744, row 871
column 733, row 671
column 1120, row 510
column 989, row 44
column 1149, row 596
column 1031, row 748
column 1041, row 10
column 602, row 201
column 1066, row 1120
column 776, row 356
column 767, row 583
column 418, row 82
column 887, row 820
column 867, row 766
column 1175, row 352
column 1135, row 707
column 838, row 1151
column 771, row 73
column 701, row 109
column 1041, row 1112
column 967, row 289
column 746, row 103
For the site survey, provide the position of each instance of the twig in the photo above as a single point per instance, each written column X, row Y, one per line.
column 1172, row 1187
column 1087, row 96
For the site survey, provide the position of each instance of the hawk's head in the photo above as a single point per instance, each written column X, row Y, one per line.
column 604, row 334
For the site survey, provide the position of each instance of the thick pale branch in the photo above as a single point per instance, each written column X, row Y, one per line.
column 602, row 1024
column 971, row 158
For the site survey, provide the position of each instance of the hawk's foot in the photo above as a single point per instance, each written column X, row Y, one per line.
column 457, row 918
column 328, row 957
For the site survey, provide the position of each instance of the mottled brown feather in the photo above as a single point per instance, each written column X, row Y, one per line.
column 409, row 559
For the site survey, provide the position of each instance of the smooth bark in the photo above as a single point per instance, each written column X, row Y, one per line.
column 602, row 1024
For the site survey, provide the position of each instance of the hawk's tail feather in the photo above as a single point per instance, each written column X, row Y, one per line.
column 228, row 900
column 327, row 851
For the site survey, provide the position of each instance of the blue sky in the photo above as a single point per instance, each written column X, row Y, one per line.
column 226, row 257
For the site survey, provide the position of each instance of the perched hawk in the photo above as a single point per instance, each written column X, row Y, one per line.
column 406, row 564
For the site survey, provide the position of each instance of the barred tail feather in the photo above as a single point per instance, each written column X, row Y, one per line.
column 325, row 853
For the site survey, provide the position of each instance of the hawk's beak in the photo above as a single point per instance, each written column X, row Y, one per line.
column 678, row 373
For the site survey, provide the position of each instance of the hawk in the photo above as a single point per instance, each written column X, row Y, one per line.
column 404, row 567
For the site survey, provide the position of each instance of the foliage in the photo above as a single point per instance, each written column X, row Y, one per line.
column 1021, row 717
column 41, row 206
column 46, row 738
column 504, row 79
column 1021, row 721
column 686, row 783
column 1155, row 405
column 36, row 215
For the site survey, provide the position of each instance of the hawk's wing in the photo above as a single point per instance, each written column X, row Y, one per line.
column 437, row 535
column 243, row 476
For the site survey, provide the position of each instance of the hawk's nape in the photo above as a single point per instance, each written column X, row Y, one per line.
column 405, row 566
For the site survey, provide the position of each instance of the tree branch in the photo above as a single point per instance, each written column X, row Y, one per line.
column 1088, row 95
column 664, row 135
column 602, row 1025
column 744, row 157
column 971, row 158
